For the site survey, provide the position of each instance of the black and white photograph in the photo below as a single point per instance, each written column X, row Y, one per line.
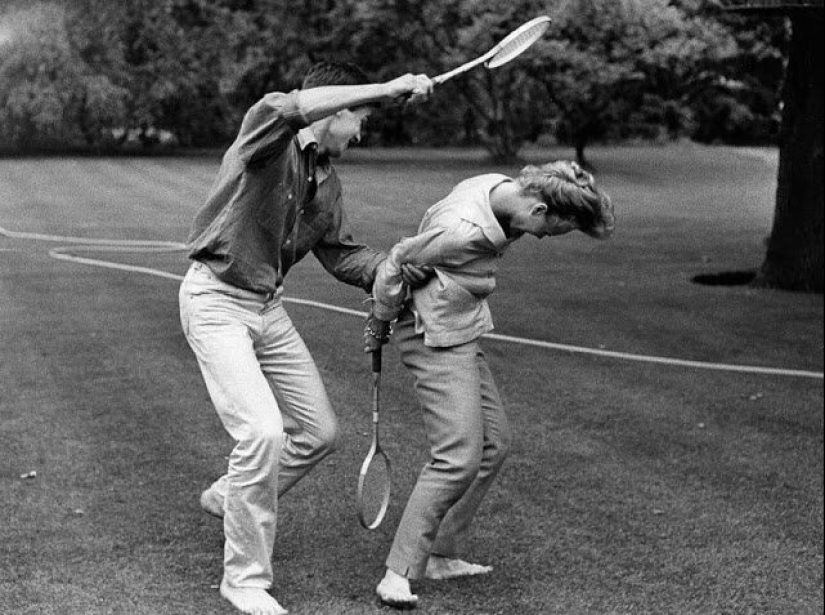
column 448, row 307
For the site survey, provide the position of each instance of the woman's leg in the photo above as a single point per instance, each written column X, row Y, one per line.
column 448, row 385
column 452, row 534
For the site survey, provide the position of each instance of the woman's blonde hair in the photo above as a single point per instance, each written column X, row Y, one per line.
column 571, row 193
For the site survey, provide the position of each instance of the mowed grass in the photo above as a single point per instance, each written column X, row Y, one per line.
column 633, row 487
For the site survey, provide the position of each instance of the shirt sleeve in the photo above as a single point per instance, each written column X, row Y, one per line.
column 269, row 126
column 346, row 259
column 438, row 247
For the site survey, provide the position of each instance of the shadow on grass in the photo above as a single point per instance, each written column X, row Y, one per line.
column 725, row 278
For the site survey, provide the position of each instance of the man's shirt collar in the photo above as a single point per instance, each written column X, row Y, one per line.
column 306, row 137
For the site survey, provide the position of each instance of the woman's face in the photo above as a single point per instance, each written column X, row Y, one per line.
column 532, row 217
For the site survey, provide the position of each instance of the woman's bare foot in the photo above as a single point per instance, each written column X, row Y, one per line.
column 394, row 590
column 442, row 568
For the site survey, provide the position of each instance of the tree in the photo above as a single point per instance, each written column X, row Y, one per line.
column 625, row 68
column 51, row 97
column 794, row 258
column 501, row 110
column 169, row 51
column 271, row 44
column 739, row 101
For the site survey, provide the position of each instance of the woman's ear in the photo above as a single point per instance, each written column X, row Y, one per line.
column 539, row 209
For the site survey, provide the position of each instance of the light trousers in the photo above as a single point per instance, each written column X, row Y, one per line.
column 260, row 376
column 469, row 438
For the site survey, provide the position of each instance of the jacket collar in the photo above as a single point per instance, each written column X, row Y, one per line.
column 483, row 216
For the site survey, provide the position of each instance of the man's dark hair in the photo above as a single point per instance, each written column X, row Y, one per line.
column 334, row 73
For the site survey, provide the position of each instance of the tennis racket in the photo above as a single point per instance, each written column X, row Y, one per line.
column 511, row 46
column 374, row 478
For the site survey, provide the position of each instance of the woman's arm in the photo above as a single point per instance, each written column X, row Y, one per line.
column 437, row 247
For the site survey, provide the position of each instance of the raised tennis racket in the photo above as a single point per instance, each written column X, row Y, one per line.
column 374, row 482
column 511, row 46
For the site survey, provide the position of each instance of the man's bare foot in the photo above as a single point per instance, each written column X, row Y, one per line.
column 212, row 502
column 394, row 590
column 442, row 568
column 251, row 600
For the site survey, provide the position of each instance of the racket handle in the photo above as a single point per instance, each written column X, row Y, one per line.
column 376, row 361
column 439, row 79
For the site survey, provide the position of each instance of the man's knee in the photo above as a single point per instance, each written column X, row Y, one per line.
column 256, row 454
column 323, row 439
column 267, row 437
column 329, row 438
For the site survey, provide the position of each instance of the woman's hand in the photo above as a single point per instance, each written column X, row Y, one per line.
column 416, row 276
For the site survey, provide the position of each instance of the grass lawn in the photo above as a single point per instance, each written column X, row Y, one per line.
column 633, row 487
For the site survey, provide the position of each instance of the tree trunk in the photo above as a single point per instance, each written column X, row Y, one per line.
column 584, row 163
column 500, row 141
column 794, row 259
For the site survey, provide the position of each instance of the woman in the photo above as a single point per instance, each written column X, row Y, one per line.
column 438, row 326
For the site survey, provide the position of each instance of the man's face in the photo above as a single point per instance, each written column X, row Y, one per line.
column 345, row 129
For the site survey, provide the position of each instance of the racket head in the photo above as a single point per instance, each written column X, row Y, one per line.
column 374, row 485
column 518, row 41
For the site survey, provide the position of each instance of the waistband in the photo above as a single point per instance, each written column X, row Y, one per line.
column 199, row 268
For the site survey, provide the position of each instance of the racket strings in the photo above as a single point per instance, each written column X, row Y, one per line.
column 519, row 43
column 375, row 490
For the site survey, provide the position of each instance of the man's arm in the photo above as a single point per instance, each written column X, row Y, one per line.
column 318, row 103
column 341, row 255
column 269, row 127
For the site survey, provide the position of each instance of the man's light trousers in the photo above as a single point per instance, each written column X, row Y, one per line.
column 260, row 376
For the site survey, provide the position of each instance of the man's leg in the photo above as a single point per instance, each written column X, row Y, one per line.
column 311, row 425
column 220, row 328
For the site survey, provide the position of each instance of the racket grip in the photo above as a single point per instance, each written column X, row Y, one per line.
column 376, row 361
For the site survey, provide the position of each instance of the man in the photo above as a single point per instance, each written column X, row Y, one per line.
column 276, row 198
column 463, row 237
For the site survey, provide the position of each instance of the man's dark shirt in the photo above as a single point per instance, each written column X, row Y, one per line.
column 262, row 217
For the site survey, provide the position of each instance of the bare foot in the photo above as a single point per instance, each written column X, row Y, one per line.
column 442, row 568
column 394, row 590
column 251, row 600
column 212, row 502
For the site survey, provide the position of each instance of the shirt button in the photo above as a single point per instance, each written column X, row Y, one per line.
column 289, row 196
